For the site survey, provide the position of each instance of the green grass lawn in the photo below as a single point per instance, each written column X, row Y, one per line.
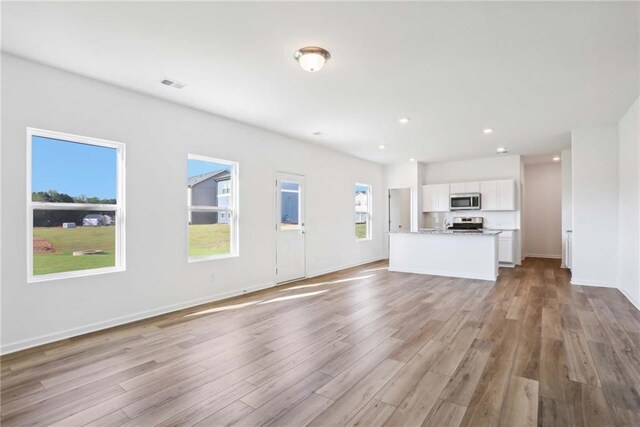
column 209, row 239
column 68, row 240
column 361, row 230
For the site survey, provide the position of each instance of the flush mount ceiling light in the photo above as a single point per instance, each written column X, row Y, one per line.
column 312, row 58
column 382, row 147
column 502, row 150
column 556, row 158
column 412, row 159
column 487, row 131
column 404, row 120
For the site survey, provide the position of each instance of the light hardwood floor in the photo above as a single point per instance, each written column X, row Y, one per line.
column 359, row 347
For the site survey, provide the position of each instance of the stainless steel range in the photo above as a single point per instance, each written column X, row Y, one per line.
column 468, row 224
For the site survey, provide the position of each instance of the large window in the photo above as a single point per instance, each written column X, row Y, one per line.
column 363, row 211
column 75, row 205
column 212, row 193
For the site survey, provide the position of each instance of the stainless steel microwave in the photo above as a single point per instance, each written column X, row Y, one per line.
column 464, row 202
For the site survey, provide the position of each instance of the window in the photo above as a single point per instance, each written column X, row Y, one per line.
column 363, row 211
column 75, row 205
column 290, row 205
column 212, row 192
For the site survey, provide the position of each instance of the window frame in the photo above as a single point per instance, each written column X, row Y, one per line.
column 118, row 209
column 369, row 223
column 232, row 210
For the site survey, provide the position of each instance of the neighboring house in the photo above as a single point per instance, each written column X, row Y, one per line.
column 362, row 204
column 209, row 189
column 96, row 220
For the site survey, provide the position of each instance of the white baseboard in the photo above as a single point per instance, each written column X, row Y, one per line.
column 586, row 282
column 106, row 324
column 636, row 304
column 550, row 256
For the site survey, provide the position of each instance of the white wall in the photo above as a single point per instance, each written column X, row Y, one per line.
column 567, row 197
column 158, row 136
column 406, row 175
column 629, row 207
column 542, row 213
column 594, row 176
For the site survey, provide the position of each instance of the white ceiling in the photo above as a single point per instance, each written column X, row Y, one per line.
column 532, row 71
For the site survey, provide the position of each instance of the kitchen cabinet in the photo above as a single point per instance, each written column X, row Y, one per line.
column 435, row 198
column 464, row 188
column 498, row 195
column 505, row 247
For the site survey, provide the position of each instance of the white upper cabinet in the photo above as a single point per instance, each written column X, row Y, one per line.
column 435, row 198
column 498, row 195
column 464, row 188
column 471, row 187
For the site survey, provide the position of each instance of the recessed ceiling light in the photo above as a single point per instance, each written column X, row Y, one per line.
column 487, row 130
column 502, row 150
column 317, row 133
column 173, row 83
column 312, row 58
column 404, row 120
column 412, row 159
column 382, row 147
column 556, row 158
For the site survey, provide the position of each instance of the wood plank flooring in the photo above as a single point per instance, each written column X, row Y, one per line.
column 360, row 347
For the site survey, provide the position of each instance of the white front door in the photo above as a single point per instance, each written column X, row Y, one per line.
column 290, row 228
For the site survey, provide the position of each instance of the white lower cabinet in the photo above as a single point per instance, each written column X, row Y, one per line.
column 505, row 247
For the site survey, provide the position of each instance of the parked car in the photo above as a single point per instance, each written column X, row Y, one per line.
column 96, row 220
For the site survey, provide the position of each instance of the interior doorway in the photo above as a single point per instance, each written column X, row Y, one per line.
column 399, row 209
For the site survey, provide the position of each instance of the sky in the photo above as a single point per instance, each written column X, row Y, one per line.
column 362, row 188
column 198, row 167
column 72, row 168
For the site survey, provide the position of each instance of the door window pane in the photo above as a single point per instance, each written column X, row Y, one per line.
column 70, row 240
column 289, row 205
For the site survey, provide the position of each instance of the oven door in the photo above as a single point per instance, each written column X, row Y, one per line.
column 464, row 202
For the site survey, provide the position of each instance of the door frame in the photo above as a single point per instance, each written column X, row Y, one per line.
column 276, row 218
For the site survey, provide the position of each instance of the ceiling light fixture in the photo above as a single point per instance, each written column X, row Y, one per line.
column 382, row 147
column 502, row 150
column 487, row 131
column 556, row 158
column 317, row 133
column 404, row 120
column 312, row 58
column 412, row 159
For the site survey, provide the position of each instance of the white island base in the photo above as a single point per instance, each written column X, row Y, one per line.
column 466, row 255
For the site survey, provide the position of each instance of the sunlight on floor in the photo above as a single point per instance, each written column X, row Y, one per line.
column 224, row 308
column 375, row 269
column 313, row 285
column 288, row 297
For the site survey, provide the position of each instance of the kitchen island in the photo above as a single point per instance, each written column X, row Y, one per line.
column 466, row 254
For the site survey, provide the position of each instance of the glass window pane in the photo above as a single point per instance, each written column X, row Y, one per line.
column 70, row 172
column 289, row 205
column 70, row 240
column 361, row 202
column 209, row 183
column 210, row 234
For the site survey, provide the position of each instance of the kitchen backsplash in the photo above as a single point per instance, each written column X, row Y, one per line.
column 498, row 220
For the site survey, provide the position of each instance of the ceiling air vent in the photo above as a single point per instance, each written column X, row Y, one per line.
column 172, row 83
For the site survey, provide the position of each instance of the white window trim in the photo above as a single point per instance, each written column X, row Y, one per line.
column 234, row 218
column 118, row 208
column 369, row 235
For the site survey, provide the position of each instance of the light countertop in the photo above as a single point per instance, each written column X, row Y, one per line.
column 453, row 232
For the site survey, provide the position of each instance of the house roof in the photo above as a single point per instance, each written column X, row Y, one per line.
column 217, row 175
